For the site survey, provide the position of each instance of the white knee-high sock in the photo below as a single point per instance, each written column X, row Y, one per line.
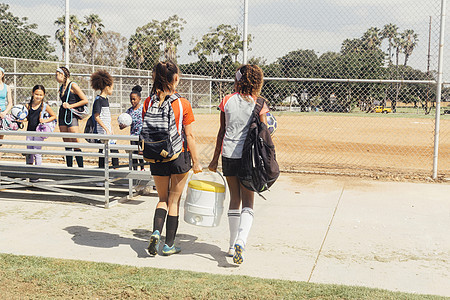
column 234, row 217
column 245, row 225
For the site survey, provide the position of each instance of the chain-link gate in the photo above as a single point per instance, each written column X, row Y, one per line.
column 351, row 83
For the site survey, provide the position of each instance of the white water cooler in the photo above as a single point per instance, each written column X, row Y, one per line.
column 204, row 203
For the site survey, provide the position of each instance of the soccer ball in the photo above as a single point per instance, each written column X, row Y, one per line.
column 272, row 123
column 19, row 111
column 125, row 119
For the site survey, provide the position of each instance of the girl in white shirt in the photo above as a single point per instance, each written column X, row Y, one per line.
column 236, row 111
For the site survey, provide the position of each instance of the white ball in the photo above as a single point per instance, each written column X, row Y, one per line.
column 19, row 111
column 125, row 119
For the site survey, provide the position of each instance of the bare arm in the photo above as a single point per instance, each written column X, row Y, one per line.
column 9, row 106
column 51, row 113
column 219, row 141
column 197, row 167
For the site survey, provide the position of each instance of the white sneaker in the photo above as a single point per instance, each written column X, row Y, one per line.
column 230, row 252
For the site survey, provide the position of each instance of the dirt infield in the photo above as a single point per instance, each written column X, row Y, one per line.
column 352, row 143
column 363, row 145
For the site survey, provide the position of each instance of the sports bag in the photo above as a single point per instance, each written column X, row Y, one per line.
column 80, row 112
column 259, row 167
column 45, row 127
column 160, row 135
column 10, row 123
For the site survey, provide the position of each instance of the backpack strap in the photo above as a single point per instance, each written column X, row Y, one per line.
column 258, row 106
column 44, row 108
column 172, row 98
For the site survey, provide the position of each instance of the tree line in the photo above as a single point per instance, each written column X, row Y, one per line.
column 217, row 53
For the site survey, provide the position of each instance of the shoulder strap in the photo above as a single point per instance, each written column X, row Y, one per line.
column 259, row 105
column 68, row 91
column 44, row 107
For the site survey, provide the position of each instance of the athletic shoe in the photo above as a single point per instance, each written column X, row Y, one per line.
column 170, row 250
column 154, row 243
column 237, row 257
column 230, row 252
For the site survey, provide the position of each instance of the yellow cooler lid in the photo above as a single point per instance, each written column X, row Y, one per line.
column 209, row 186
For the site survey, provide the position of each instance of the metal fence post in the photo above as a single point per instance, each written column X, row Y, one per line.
column 121, row 89
column 67, row 35
column 15, row 81
column 439, row 89
column 245, row 38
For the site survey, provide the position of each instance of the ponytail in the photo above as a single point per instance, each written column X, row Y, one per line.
column 164, row 79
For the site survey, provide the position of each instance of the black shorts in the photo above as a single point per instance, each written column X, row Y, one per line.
column 70, row 116
column 230, row 166
column 180, row 165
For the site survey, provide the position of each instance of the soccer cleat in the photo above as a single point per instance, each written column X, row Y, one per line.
column 170, row 250
column 154, row 243
column 237, row 257
column 230, row 252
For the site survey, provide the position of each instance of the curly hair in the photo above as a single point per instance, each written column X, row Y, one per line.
column 249, row 80
column 101, row 79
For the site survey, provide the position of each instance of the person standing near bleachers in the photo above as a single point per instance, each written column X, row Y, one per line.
column 71, row 97
column 38, row 112
column 5, row 98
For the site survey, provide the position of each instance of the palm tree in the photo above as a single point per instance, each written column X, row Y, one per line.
column 410, row 39
column 74, row 28
column 92, row 31
column 389, row 32
column 398, row 45
column 371, row 38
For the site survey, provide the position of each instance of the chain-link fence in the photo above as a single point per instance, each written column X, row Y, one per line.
column 351, row 83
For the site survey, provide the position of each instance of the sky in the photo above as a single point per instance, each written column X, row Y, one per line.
column 277, row 26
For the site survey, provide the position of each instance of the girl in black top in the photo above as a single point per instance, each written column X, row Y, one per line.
column 72, row 97
column 35, row 107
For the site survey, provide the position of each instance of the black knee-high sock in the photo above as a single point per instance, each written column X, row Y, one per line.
column 79, row 159
column 69, row 159
column 171, row 230
column 158, row 219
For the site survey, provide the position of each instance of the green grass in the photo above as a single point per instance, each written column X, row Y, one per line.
column 45, row 278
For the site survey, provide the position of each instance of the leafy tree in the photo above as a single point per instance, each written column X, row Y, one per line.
column 143, row 52
column 372, row 38
column 112, row 49
column 221, row 46
column 153, row 41
column 18, row 39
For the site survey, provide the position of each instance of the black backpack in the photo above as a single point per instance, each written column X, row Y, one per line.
column 259, row 166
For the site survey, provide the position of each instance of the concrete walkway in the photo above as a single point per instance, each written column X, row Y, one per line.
column 342, row 230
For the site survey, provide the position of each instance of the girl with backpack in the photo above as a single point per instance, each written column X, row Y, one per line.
column 235, row 116
column 71, row 97
column 167, row 113
column 5, row 99
column 38, row 113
